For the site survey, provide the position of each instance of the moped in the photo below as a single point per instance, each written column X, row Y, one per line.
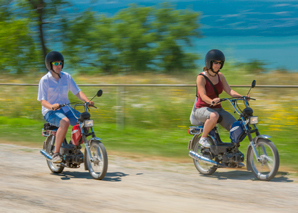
column 262, row 155
column 95, row 156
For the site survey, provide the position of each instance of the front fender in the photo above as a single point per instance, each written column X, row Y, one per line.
column 255, row 141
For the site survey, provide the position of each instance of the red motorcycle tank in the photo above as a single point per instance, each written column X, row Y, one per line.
column 76, row 135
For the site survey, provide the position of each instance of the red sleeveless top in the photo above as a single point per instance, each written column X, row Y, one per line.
column 210, row 93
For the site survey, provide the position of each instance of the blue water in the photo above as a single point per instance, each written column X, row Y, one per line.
column 276, row 52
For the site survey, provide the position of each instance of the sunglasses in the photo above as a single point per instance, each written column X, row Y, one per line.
column 57, row 63
column 217, row 62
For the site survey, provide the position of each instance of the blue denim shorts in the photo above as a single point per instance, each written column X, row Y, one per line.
column 54, row 117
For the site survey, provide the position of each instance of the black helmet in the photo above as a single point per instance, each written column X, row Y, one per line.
column 53, row 56
column 214, row 55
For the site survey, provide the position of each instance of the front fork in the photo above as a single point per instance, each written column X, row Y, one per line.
column 87, row 148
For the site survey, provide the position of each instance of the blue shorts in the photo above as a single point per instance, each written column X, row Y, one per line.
column 54, row 117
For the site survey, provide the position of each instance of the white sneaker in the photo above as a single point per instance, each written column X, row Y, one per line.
column 204, row 142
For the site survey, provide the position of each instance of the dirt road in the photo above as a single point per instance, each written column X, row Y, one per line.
column 28, row 186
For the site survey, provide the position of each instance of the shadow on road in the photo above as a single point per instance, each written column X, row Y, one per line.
column 114, row 176
column 247, row 175
column 67, row 175
column 110, row 176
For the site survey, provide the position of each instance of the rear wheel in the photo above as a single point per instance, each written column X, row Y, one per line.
column 54, row 167
column 201, row 166
column 98, row 163
column 267, row 166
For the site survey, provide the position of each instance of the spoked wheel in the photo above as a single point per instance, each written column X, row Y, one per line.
column 98, row 164
column 55, row 168
column 201, row 166
column 268, row 164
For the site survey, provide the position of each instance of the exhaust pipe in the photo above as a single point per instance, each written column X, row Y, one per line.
column 198, row 157
column 47, row 155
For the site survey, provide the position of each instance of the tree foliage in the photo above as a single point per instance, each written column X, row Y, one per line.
column 17, row 48
column 253, row 66
column 136, row 39
column 133, row 40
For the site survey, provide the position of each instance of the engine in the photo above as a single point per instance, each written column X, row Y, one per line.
column 232, row 159
column 72, row 156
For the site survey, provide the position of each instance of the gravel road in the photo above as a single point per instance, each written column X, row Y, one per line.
column 130, row 186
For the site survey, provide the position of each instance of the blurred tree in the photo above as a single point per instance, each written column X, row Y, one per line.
column 88, row 43
column 5, row 13
column 17, row 48
column 174, row 29
column 253, row 66
column 134, row 40
column 41, row 13
column 22, row 26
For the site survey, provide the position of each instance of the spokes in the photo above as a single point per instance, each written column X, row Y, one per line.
column 96, row 160
column 266, row 159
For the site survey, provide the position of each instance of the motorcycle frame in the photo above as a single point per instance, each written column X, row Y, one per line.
column 85, row 135
column 252, row 141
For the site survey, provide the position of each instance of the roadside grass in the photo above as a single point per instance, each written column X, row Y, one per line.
column 155, row 119
column 168, row 144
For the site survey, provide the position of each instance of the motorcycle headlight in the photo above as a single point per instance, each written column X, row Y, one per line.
column 88, row 123
column 253, row 120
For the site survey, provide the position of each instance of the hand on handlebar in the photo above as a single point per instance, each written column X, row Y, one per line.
column 55, row 106
column 215, row 101
column 91, row 104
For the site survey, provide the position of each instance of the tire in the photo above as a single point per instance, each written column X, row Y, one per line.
column 98, row 166
column 268, row 167
column 203, row 168
column 55, row 168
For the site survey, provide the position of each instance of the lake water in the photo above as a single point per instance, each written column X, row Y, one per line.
column 276, row 52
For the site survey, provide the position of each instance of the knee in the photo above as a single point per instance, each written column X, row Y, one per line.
column 64, row 123
column 214, row 116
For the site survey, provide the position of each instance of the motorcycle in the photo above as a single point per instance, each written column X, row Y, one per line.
column 95, row 156
column 262, row 155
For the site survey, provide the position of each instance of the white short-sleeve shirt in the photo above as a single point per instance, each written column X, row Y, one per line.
column 54, row 91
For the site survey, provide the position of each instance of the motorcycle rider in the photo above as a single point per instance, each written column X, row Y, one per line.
column 208, row 108
column 52, row 91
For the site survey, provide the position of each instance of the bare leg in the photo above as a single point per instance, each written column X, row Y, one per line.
column 61, row 133
column 210, row 123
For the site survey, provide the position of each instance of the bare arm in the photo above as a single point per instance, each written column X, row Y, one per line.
column 83, row 97
column 227, row 87
column 201, row 82
column 47, row 105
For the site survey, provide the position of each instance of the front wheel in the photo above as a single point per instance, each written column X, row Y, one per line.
column 98, row 163
column 203, row 168
column 267, row 166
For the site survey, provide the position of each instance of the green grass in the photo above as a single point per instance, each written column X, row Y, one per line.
column 156, row 119
column 155, row 143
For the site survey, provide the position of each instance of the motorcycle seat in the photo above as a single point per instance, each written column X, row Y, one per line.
column 48, row 126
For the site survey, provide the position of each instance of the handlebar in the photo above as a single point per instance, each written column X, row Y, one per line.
column 84, row 104
column 234, row 99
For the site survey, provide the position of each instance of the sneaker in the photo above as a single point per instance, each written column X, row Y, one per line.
column 56, row 158
column 204, row 142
